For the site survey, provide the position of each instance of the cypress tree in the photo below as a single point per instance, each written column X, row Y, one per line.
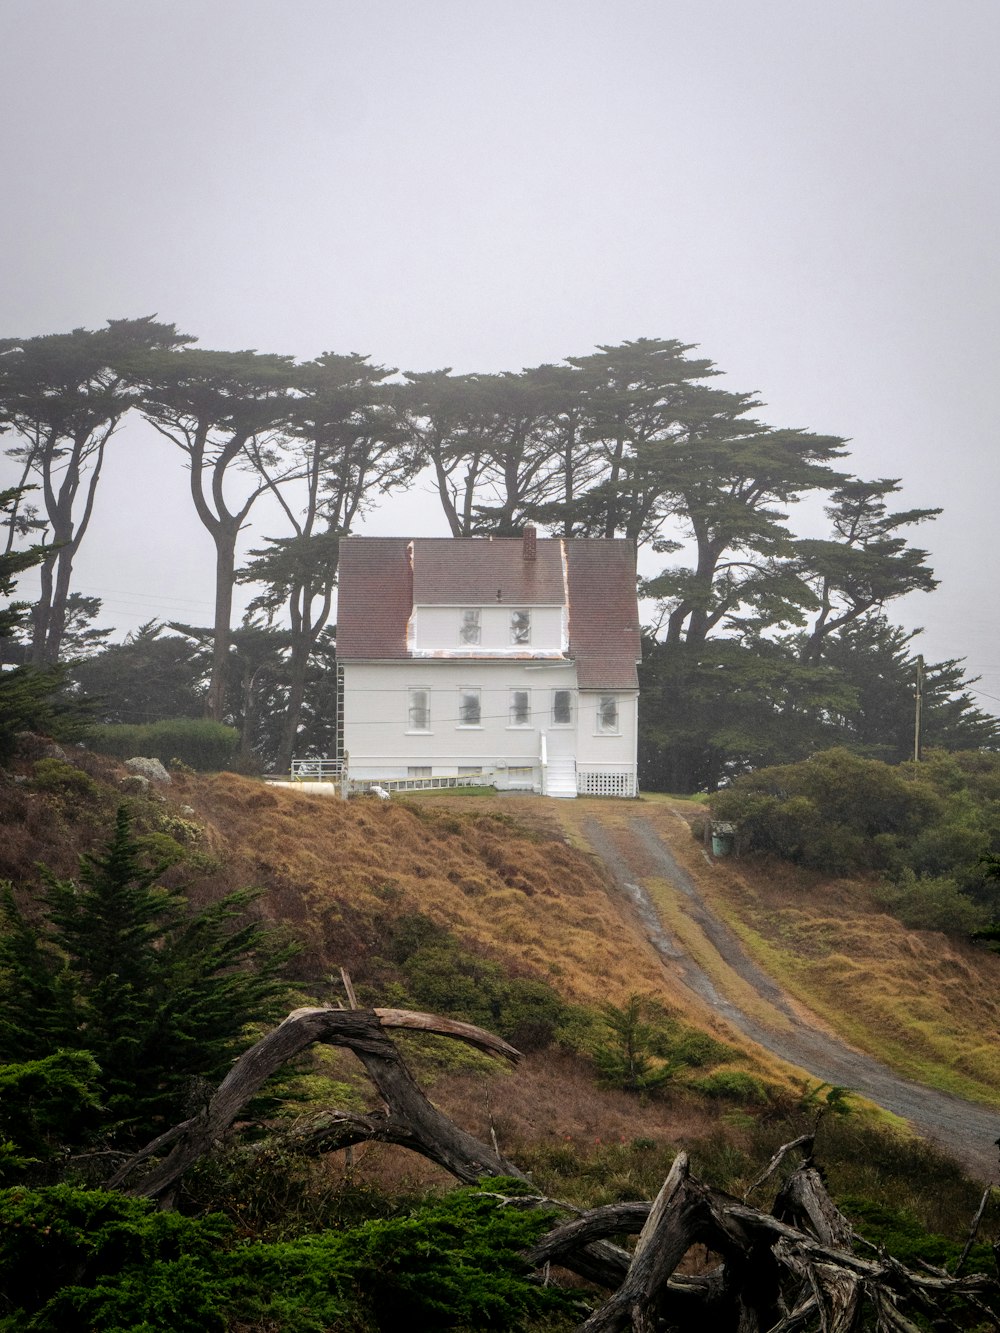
column 120, row 967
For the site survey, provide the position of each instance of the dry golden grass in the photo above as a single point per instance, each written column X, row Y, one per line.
column 343, row 869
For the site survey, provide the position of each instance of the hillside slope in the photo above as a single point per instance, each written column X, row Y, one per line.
column 536, row 887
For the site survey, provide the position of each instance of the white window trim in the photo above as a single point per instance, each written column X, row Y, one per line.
column 520, row 611
column 478, row 640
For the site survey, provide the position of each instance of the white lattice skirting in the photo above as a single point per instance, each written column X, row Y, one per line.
column 606, row 783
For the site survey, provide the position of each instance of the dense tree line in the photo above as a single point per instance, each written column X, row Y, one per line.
column 765, row 643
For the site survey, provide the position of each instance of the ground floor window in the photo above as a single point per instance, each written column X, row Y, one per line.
column 419, row 710
column 469, row 708
column 607, row 715
column 520, row 708
column 562, row 708
column 469, row 771
column 419, row 771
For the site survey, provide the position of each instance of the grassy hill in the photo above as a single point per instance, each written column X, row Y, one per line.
column 499, row 902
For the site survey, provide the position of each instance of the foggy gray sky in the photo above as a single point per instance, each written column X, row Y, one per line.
column 808, row 189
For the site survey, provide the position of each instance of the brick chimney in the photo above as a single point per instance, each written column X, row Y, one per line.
column 529, row 544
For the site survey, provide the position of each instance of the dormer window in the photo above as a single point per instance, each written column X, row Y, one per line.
column 520, row 627
column 470, row 626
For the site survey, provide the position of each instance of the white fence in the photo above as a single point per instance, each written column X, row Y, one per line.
column 360, row 785
column 317, row 770
column 594, row 780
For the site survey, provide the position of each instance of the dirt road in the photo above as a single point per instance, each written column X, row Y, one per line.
column 966, row 1130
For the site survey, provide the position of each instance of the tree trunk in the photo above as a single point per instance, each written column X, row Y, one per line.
column 225, row 577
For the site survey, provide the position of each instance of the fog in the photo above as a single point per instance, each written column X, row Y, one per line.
column 809, row 192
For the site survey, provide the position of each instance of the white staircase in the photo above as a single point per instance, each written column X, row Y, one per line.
column 560, row 776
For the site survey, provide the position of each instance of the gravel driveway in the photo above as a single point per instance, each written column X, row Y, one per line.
column 966, row 1130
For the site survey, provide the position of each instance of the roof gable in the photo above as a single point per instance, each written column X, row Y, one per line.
column 383, row 578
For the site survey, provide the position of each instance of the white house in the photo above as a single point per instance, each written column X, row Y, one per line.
column 514, row 658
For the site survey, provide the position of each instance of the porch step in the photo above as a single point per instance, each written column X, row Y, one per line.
column 560, row 780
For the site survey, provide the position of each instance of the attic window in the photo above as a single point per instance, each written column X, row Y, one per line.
column 470, row 629
column 520, row 626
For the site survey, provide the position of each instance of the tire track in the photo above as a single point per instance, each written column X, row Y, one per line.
column 967, row 1130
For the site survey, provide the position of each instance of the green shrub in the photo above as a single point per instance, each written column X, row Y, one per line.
column 731, row 1085
column 42, row 1102
column 907, row 1240
column 927, row 902
column 195, row 743
column 842, row 814
column 78, row 1259
column 62, row 779
column 439, row 975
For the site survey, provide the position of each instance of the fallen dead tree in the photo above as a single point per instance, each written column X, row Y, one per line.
column 793, row 1268
column 407, row 1117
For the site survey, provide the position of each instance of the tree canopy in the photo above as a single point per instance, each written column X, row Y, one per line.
column 763, row 642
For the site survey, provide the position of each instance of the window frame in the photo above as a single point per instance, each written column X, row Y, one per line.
column 517, row 639
column 512, row 720
column 600, row 726
column 470, row 622
column 470, row 690
column 569, row 720
column 411, row 728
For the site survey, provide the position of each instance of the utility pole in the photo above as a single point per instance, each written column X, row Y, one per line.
column 919, row 697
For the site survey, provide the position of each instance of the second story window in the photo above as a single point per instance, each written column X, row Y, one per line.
column 520, row 626
column 469, row 626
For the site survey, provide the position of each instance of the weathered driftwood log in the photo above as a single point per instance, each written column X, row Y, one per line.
column 407, row 1118
column 786, row 1273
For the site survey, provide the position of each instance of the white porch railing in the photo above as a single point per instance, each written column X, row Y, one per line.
column 317, row 770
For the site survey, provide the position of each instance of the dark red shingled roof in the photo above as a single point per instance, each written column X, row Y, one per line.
column 603, row 613
column 375, row 597
column 454, row 571
column 382, row 577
